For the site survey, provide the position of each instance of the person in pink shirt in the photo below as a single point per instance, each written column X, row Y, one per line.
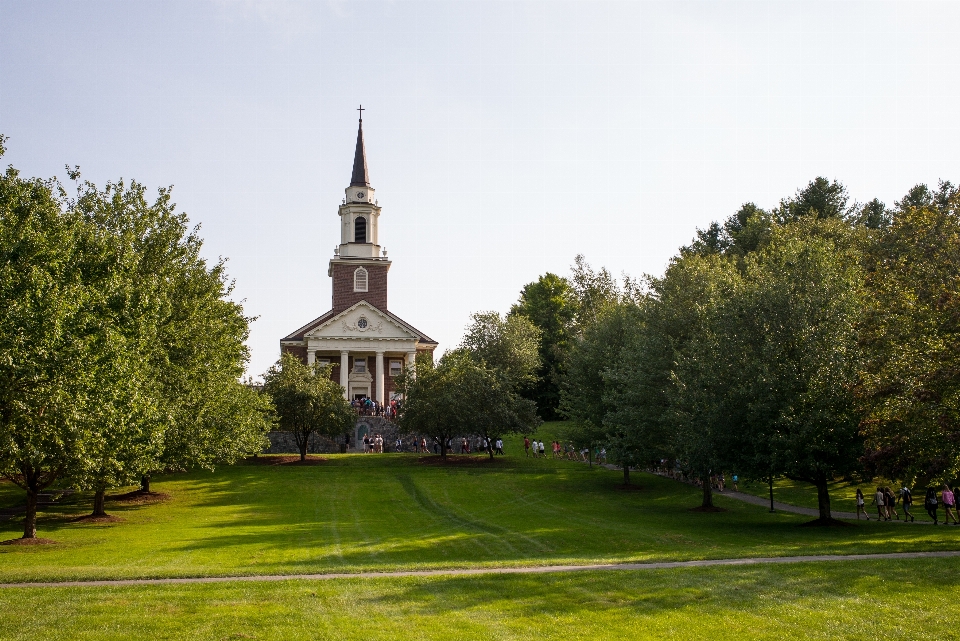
column 949, row 504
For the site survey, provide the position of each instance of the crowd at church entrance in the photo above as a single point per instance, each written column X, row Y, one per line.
column 365, row 406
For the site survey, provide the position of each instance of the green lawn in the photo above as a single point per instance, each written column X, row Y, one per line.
column 372, row 513
column 842, row 600
column 363, row 513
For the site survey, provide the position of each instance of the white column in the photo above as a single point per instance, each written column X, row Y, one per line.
column 344, row 363
column 380, row 394
column 311, row 356
column 412, row 363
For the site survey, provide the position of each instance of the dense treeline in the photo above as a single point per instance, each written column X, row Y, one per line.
column 812, row 340
column 120, row 351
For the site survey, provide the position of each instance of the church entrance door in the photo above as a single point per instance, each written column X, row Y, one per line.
column 359, row 391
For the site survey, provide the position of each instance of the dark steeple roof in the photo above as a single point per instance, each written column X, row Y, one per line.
column 360, row 176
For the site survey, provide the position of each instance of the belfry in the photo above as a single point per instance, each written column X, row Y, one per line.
column 367, row 345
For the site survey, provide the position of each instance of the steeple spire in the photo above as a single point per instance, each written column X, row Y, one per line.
column 360, row 176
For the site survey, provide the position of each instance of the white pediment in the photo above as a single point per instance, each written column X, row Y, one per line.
column 361, row 321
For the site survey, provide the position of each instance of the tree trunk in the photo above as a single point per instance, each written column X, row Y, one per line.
column 626, row 474
column 30, row 519
column 98, row 503
column 302, row 444
column 490, row 448
column 145, row 483
column 771, row 495
column 707, row 491
column 823, row 498
column 443, row 449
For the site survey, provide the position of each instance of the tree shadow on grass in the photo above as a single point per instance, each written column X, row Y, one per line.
column 741, row 589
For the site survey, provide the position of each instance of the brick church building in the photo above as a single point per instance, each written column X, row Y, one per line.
column 367, row 345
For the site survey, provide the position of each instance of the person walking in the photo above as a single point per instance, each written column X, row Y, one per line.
column 906, row 499
column 526, row 446
column 890, row 502
column 500, row 446
column 543, row 450
column 949, row 503
column 880, row 500
column 861, row 505
column 930, row 504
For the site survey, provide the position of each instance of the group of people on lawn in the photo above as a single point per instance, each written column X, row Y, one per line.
column 466, row 446
column 372, row 444
column 539, row 450
column 886, row 502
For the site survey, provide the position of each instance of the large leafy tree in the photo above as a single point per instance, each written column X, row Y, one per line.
column 508, row 345
column 681, row 385
column 103, row 350
column 183, row 327
column 461, row 396
column 589, row 394
column 785, row 359
column 70, row 382
column 550, row 305
column 307, row 401
column 911, row 334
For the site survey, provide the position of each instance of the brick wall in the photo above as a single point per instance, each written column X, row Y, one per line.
column 343, row 294
column 297, row 350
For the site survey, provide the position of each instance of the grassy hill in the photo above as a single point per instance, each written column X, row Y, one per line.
column 376, row 513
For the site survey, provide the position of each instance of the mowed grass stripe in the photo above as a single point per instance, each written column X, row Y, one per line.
column 544, row 569
column 888, row 599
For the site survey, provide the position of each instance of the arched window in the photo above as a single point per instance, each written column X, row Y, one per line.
column 360, row 230
column 360, row 280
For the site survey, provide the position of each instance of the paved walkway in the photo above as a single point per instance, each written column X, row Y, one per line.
column 782, row 507
column 479, row 571
column 794, row 509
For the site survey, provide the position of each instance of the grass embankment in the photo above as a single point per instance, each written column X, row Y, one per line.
column 867, row 600
column 369, row 513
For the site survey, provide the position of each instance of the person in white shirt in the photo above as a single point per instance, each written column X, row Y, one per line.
column 499, row 446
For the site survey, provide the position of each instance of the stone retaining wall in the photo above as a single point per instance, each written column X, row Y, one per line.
column 284, row 443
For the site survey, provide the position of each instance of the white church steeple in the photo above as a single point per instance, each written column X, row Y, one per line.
column 359, row 213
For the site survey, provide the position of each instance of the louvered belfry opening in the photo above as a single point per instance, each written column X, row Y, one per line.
column 360, row 230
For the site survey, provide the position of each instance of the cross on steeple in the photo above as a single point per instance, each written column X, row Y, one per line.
column 361, row 110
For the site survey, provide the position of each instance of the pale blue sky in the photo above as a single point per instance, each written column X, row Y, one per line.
column 503, row 138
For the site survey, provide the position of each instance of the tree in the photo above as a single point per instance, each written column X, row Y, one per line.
column 307, row 401
column 460, row 396
column 587, row 389
column 911, row 379
column 549, row 304
column 181, row 326
column 592, row 291
column 790, row 359
column 509, row 345
column 820, row 199
column 116, row 335
column 488, row 406
column 63, row 362
column 692, row 403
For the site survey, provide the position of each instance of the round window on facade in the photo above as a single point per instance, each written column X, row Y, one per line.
column 362, row 323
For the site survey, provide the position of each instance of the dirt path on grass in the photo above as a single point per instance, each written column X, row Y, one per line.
column 666, row 565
